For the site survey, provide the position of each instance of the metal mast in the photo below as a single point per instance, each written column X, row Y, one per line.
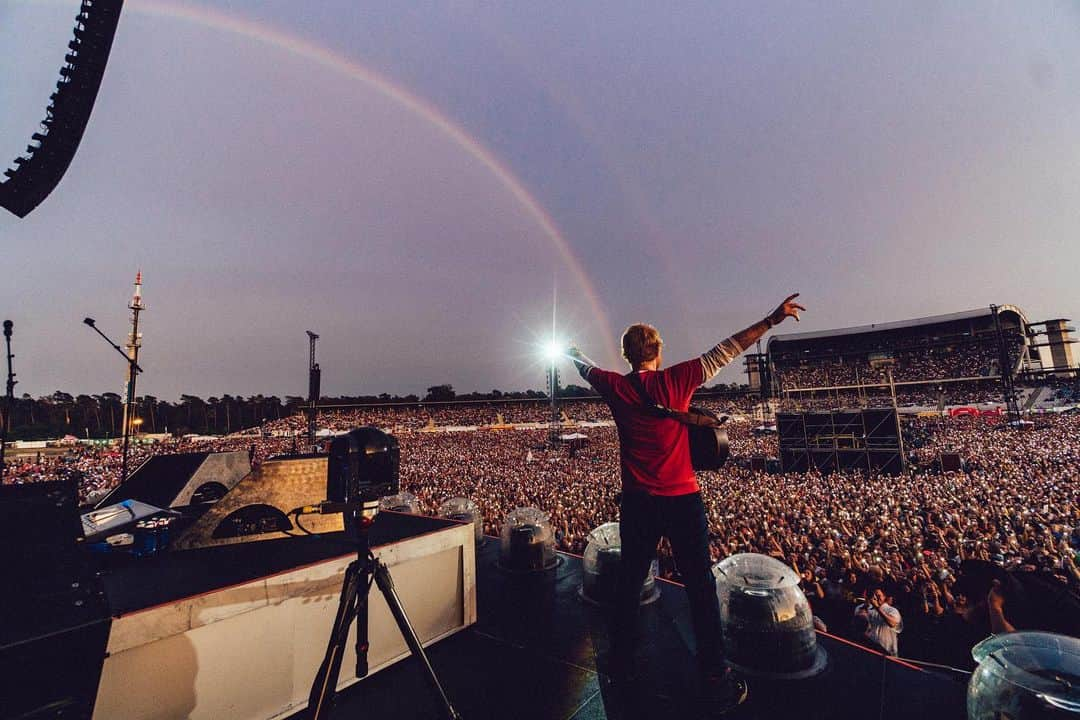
column 555, row 422
column 134, row 343
column 314, row 382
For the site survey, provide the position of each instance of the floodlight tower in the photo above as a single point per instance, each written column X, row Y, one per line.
column 553, row 394
column 314, row 381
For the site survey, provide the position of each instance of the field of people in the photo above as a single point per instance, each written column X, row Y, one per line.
column 1016, row 503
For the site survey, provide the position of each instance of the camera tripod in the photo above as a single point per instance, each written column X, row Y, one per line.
column 353, row 605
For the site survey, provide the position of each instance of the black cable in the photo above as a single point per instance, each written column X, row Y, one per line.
column 300, row 525
column 323, row 536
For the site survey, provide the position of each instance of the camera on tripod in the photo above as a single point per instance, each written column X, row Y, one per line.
column 362, row 466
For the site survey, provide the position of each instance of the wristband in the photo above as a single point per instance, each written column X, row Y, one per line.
column 769, row 322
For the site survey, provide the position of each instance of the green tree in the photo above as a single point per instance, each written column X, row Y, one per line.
column 440, row 393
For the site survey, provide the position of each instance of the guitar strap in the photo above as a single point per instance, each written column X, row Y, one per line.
column 693, row 417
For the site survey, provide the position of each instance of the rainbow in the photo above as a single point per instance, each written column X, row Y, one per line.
column 294, row 45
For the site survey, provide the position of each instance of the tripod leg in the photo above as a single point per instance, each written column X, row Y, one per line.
column 361, row 614
column 386, row 586
column 321, row 698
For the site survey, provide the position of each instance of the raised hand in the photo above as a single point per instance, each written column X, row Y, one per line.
column 996, row 597
column 787, row 309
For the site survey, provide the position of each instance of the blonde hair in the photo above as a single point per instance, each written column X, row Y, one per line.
column 640, row 344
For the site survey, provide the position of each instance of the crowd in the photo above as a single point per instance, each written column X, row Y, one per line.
column 1015, row 505
column 928, row 395
column 97, row 468
column 1067, row 394
column 400, row 418
column 419, row 416
column 970, row 360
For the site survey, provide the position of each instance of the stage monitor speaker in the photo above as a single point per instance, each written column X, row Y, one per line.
column 951, row 462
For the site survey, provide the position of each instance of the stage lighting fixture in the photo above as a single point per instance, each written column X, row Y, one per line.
column 768, row 628
column 1025, row 675
column 601, row 568
column 402, row 502
column 527, row 541
column 464, row 510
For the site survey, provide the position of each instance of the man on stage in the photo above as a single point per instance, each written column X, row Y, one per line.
column 660, row 494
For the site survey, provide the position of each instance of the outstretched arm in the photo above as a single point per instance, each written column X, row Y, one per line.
column 728, row 350
column 581, row 361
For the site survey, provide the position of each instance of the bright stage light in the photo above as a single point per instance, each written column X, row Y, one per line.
column 554, row 349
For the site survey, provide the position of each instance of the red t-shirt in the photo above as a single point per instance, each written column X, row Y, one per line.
column 654, row 452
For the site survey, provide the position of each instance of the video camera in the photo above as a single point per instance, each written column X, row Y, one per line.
column 362, row 467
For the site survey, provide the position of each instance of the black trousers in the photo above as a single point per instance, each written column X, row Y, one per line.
column 681, row 519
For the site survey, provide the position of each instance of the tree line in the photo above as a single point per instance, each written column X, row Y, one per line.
column 101, row 416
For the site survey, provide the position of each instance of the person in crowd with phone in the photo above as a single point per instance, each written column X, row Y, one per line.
column 881, row 621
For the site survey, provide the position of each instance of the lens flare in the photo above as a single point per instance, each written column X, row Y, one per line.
column 554, row 349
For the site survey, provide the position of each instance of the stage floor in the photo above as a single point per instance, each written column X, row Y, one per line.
column 533, row 654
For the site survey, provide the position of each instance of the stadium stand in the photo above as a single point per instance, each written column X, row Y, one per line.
column 930, row 360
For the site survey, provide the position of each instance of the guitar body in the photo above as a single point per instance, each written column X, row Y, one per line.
column 708, row 442
column 707, row 437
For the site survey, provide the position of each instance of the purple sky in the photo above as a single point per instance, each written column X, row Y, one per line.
column 888, row 160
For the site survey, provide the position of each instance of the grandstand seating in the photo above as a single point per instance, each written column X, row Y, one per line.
column 949, row 348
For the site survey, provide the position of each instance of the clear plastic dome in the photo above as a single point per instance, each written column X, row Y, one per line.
column 1023, row 675
column 464, row 510
column 601, row 567
column 527, row 541
column 403, row 502
column 768, row 628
